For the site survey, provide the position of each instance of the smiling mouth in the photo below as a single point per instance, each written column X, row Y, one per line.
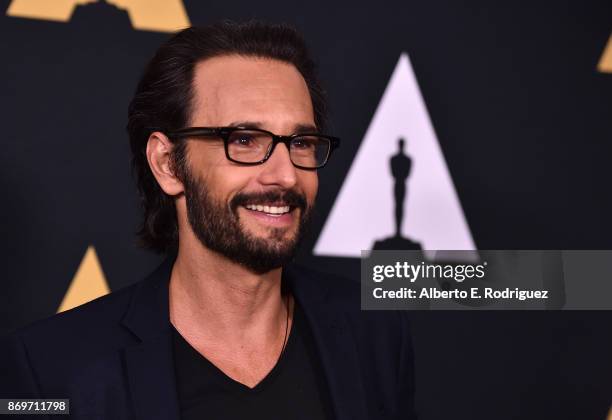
column 274, row 211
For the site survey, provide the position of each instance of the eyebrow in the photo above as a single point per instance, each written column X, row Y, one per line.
column 297, row 129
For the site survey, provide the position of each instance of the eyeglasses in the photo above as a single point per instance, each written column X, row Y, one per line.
column 253, row 146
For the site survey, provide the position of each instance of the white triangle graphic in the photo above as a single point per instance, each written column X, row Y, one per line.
column 364, row 209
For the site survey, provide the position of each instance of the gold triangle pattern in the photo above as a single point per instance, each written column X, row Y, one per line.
column 88, row 283
column 605, row 62
column 146, row 15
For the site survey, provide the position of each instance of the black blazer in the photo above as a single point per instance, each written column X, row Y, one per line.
column 112, row 357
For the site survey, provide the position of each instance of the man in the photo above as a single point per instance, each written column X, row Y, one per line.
column 226, row 133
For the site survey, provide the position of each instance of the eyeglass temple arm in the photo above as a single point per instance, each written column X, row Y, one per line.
column 194, row 132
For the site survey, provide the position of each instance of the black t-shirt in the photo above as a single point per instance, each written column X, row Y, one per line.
column 294, row 389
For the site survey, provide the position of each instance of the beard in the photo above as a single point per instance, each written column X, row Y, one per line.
column 217, row 226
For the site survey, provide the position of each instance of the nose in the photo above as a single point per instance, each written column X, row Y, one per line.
column 278, row 169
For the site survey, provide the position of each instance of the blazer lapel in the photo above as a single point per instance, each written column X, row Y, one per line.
column 149, row 364
column 335, row 344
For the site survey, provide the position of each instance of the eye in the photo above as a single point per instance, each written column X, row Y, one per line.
column 242, row 139
column 303, row 142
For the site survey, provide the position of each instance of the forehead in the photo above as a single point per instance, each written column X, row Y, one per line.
column 234, row 88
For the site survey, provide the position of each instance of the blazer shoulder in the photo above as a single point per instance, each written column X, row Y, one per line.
column 36, row 357
column 92, row 323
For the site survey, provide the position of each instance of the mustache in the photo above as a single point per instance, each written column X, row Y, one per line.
column 291, row 198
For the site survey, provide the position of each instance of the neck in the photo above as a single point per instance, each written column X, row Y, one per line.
column 214, row 299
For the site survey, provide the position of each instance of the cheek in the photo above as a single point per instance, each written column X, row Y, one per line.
column 226, row 182
column 209, row 163
column 206, row 156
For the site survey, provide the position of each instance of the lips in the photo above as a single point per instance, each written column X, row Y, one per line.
column 284, row 218
column 269, row 209
column 273, row 203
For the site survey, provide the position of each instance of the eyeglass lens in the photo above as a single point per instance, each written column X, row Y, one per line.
column 252, row 146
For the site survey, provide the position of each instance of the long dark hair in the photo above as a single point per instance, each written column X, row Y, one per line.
column 164, row 96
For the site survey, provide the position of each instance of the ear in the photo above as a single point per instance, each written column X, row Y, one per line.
column 159, row 149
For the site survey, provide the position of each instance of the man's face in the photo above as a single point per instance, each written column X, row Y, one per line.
column 223, row 198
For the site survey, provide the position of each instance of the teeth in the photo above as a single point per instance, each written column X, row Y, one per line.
column 279, row 210
column 268, row 209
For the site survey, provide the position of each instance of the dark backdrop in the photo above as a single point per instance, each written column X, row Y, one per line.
column 521, row 113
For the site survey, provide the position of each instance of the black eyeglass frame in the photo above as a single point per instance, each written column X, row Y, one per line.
column 225, row 132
